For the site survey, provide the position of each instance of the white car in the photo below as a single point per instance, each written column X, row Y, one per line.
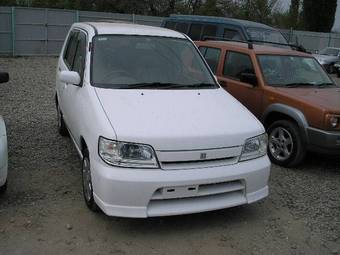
column 3, row 146
column 156, row 133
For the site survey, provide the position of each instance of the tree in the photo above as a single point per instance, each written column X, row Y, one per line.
column 210, row 8
column 319, row 15
column 294, row 14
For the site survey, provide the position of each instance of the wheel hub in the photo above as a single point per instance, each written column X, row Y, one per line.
column 281, row 143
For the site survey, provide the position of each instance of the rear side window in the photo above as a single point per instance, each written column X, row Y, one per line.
column 237, row 63
column 212, row 56
column 79, row 59
column 182, row 27
column 209, row 30
column 202, row 50
column 170, row 24
column 70, row 48
column 232, row 34
column 195, row 32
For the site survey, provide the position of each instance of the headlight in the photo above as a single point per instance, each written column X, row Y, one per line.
column 332, row 120
column 254, row 147
column 127, row 154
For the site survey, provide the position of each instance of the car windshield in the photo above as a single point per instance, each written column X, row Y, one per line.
column 330, row 52
column 293, row 71
column 266, row 35
column 150, row 62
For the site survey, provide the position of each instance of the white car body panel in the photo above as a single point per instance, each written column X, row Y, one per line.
column 3, row 153
column 179, row 125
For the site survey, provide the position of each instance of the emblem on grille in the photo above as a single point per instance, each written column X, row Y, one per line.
column 203, row 156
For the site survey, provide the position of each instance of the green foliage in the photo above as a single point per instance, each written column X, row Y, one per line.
column 319, row 15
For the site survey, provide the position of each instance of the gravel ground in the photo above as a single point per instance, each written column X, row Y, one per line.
column 43, row 210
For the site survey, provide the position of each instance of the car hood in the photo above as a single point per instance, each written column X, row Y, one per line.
column 325, row 58
column 326, row 98
column 178, row 119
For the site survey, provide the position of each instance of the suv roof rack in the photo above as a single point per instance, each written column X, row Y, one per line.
column 250, row 43
column 216, row 38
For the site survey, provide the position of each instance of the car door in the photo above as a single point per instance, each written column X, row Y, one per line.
column 236, row 63
column 65, row 64
column 73, row 96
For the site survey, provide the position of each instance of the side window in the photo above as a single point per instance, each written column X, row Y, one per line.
column 182, row 27
column 212, row 56
column 170, row 24
column 70, row 48
column 202, row 50
column 195, row 32
column 209, row 30
column 232, row 34
column 79, row 58
column 237, row 63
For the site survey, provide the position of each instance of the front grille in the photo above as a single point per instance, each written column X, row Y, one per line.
column 177, row 160
column 198, row 164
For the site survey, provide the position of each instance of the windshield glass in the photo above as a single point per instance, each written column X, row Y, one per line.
column 330, row 52
column 292, row 70
column 266, row 35
column 130, row 61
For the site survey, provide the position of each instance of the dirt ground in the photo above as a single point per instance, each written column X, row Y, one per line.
column 43, row 211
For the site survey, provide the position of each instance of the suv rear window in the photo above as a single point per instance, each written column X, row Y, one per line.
column 237, row 63
column 182, row 27
column 170, row 24
column 195, row 32
column 232, row 34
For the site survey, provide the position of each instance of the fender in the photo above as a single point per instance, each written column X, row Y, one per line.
column 292, row 112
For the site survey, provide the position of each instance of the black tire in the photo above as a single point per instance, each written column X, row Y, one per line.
column 62, row 129
column 338, row 73
column 3, row 188
column 288, row 151
column 86, row 180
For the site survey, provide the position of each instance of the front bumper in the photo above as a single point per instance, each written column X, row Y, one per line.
column 322, row 141
column 141, row 193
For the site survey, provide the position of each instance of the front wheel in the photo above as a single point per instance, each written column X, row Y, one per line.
column 87, row 182
column 285, row 145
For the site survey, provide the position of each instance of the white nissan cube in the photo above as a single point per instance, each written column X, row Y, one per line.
column 156, row 133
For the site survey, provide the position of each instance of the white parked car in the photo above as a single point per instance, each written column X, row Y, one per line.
column 3, row 146
column 156, row 133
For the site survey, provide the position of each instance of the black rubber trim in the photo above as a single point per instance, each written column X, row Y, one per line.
column 94, row 28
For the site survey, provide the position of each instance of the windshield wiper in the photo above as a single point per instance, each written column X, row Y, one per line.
column 325, row 84
column 194, row 86
column 298, row 84
column 161, row 85
column 148, row 85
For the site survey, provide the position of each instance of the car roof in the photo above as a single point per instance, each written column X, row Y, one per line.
column 221, row 20
column 130, row 29
column 258, row 49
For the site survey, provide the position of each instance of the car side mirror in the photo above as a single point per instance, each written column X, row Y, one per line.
column 249, row 78
column 70, row 77
column 4, row 77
